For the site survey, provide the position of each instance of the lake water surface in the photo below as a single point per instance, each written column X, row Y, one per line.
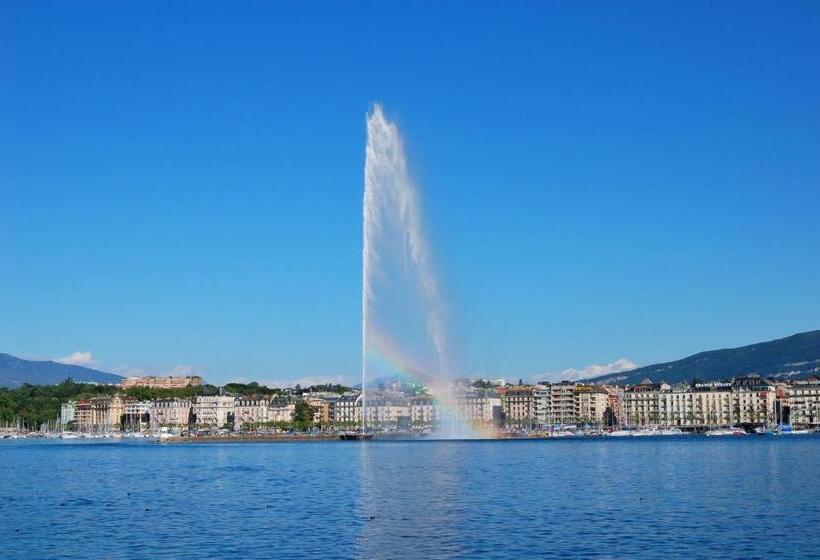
column 694, row 497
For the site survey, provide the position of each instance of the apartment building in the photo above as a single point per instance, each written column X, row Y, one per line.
column 804, row 402
column 214, row 411
column 563, row 409
column 591, row 402
column 251, row 410
column 542, row 404
column 172, row 413
column 518, row 407
column 746, row 400
column 347, row 411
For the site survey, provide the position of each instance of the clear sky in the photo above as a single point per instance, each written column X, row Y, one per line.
column 181, row 183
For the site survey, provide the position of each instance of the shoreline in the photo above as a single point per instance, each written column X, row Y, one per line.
column 260, row 438
column 280, row 438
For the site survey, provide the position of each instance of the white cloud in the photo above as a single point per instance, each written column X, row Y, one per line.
column 594, row 370
column 78, row 358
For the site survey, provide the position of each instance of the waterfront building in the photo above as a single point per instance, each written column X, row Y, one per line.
column 747, row 400
column 322, row 404
column 713, row 404
column 518, row 407
column 754, row 400
column 591, row 402
column 804, row 402
column 562, row 404
column 542, row 405
column 347, row 411
column 136, row 415
column 172, row 413
column 615, row 404
column 217, row 411
column 676, row 407
column 167, row 382
column 281, row 410
column 250, row 411
column 423, row 412
column 642, row 403
column 477, row 406
column 107, row 412
column 82, row 416
column 388, row 413
column 701, row 405
column 68, row 413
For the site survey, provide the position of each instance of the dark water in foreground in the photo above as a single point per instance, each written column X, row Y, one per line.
column 748, row 497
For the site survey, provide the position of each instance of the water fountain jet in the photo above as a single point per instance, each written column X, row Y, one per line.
column 403, row 313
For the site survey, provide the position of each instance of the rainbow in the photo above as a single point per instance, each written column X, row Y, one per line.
column 385, row 354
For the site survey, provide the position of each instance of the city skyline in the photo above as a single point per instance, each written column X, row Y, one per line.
column 186, row 198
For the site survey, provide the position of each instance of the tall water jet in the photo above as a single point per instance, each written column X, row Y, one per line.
column 403, row 315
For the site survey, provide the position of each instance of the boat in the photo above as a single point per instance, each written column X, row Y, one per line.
column 726, row 432
column 646, row 432
column 619, row 433
column 354, row 436
column 561, row 433
column 788, row 430
column 671, row 432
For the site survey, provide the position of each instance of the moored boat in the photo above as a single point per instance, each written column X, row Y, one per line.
column 726, row 432
column 354, row 436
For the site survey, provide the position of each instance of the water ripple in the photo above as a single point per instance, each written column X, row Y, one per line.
column 742, row 498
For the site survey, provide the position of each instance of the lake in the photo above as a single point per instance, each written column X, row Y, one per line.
column 694, row 497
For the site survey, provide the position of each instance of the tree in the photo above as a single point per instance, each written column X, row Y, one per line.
column 303, row 416
column 610, row 419
column 230, row 421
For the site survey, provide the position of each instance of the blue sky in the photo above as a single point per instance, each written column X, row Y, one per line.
column 180, row 185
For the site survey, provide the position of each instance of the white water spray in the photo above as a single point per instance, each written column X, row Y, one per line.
column 401, row 299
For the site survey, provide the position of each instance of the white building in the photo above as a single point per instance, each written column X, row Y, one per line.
column 804, row 402
column 251, row 410
column 214, row 412
column 347, row 411
column 172, row 413
column 478, row 406
column 542, row 404
column 136, row 415
column 388, row 413
column 746, row 400
column 562, row 403
column 68, row 413
column 423, row 412
column 591, row 401
column 281, row 410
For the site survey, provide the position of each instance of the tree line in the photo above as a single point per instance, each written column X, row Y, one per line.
column 36, row 404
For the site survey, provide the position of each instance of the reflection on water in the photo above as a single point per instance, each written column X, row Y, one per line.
column 404, row 503
column 694, row 497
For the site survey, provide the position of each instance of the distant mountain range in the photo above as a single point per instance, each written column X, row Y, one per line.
column 793, row 357
column 16, row 371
